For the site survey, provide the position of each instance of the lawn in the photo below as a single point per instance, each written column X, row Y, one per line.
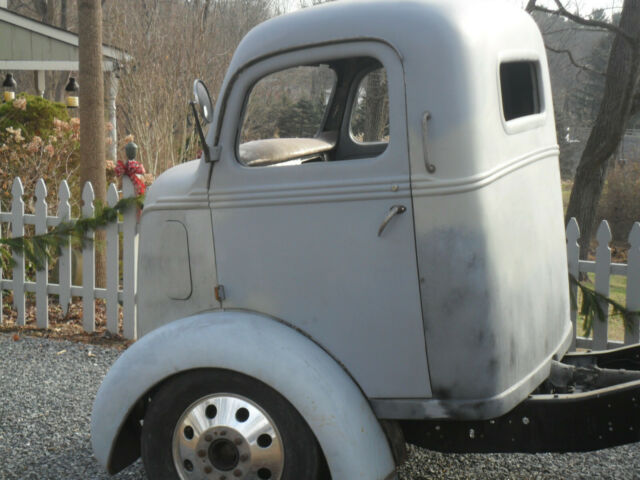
column 618, row 290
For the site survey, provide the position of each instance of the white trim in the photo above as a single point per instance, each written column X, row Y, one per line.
column 55, row 33
column 48, row 65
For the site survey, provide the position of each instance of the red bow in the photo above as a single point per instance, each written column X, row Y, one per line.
column 131, row 169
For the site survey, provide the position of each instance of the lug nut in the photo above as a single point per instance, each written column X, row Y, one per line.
column 208, row 469
column 202, row 453
column 208, row 438
column 238, row 441
column 244, row 457
column 237, row 473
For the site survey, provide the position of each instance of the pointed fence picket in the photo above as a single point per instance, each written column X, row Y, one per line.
column 17, row 230
column 42, row 298
column 603, row 268
column 119, row 295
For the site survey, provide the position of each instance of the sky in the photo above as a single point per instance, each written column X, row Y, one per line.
column 583, row 6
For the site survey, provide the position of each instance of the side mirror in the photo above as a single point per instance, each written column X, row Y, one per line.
column 203, row 100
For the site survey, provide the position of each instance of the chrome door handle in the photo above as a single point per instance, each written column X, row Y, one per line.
column 393, row 211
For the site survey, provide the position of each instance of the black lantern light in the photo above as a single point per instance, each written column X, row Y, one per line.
column 71, row 93
column 9, row 88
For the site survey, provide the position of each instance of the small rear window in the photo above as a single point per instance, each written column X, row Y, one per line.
column 520, row 92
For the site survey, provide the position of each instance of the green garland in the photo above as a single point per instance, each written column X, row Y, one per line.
column 37, row 249
column 592, row 306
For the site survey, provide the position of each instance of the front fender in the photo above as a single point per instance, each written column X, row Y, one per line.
column 335, row 409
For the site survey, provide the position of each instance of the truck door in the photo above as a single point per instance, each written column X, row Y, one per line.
column 312, row 214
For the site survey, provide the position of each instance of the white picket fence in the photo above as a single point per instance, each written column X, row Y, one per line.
column 116, row 292
column 120, row 296
column 603, row 269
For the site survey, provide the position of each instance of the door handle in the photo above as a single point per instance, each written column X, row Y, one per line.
column 393, row 211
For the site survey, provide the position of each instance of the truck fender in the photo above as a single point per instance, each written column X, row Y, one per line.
column 329, row 400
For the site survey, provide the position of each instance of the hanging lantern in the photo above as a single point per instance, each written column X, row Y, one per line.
column 71, row 93
column 9, row 88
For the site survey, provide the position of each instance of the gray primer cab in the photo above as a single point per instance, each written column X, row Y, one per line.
column 431, row 271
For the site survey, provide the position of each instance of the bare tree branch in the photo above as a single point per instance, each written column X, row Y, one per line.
column 573, row 61
column 575, row 29
column 562, row 11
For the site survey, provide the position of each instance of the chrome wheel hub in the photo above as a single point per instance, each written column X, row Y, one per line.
column 227, row 437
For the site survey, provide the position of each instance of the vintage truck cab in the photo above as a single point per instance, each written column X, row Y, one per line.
column 371, row 246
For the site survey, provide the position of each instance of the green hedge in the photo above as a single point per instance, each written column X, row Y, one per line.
column 36, row 119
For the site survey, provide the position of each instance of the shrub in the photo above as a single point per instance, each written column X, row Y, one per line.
column 32, row 115
column 54, row 158
column 620, row 202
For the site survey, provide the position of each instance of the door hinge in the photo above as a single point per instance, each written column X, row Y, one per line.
column 218, row 291
column 214, row 153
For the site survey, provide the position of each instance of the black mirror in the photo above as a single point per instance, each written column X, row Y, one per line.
column 203, row 100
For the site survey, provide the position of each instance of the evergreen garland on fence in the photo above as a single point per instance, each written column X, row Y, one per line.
column 592, row 306
column 39, row 248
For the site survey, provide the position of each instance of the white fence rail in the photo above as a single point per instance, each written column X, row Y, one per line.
column 603, row 269
column 115, row 293
column 119, row 294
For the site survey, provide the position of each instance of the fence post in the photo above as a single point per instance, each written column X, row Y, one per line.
column 17, row 230
column 64, row 259
column 573, row 257
column 603, row 272
column 42, row 275
column 632, row 335
column 112, row 264
column 88, row 265
column 129, row 255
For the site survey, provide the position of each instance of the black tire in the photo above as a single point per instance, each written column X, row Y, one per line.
column 300, row 456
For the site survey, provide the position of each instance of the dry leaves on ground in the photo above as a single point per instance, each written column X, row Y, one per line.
column 61, row 327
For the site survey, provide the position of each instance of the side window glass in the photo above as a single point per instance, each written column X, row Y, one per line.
column 370, row 113
column 520, row 91
column 288, row 104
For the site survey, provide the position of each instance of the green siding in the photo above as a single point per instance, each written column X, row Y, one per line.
column 17, row 43
column 5, row 41
column 21, row 44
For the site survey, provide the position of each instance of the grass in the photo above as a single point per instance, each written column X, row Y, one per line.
column 617, row 292
column 566, row 192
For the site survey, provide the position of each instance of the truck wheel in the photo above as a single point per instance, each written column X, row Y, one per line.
column 218, row 424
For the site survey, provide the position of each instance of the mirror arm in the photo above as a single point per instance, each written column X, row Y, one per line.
column 205, row 147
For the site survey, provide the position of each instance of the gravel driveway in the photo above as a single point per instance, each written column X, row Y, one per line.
column 47, row 389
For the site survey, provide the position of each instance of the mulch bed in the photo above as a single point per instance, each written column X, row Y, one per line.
column 61, row 326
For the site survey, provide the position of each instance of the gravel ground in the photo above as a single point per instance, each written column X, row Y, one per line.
column 47, row 389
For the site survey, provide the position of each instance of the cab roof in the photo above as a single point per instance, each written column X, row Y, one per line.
column 404, row 24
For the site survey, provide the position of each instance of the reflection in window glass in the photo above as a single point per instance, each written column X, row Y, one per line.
column 288, row 104
column 370, row 115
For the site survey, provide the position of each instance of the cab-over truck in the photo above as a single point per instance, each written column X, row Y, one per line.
column 369, row 251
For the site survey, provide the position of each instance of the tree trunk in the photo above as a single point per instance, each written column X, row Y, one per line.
column 374, row 107
column 621, row 86
column 92, row 131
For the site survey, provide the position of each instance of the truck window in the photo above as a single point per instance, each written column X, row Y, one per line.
column 370, row 114
column 519, row 87
column 288, row 104
column 337, row 110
